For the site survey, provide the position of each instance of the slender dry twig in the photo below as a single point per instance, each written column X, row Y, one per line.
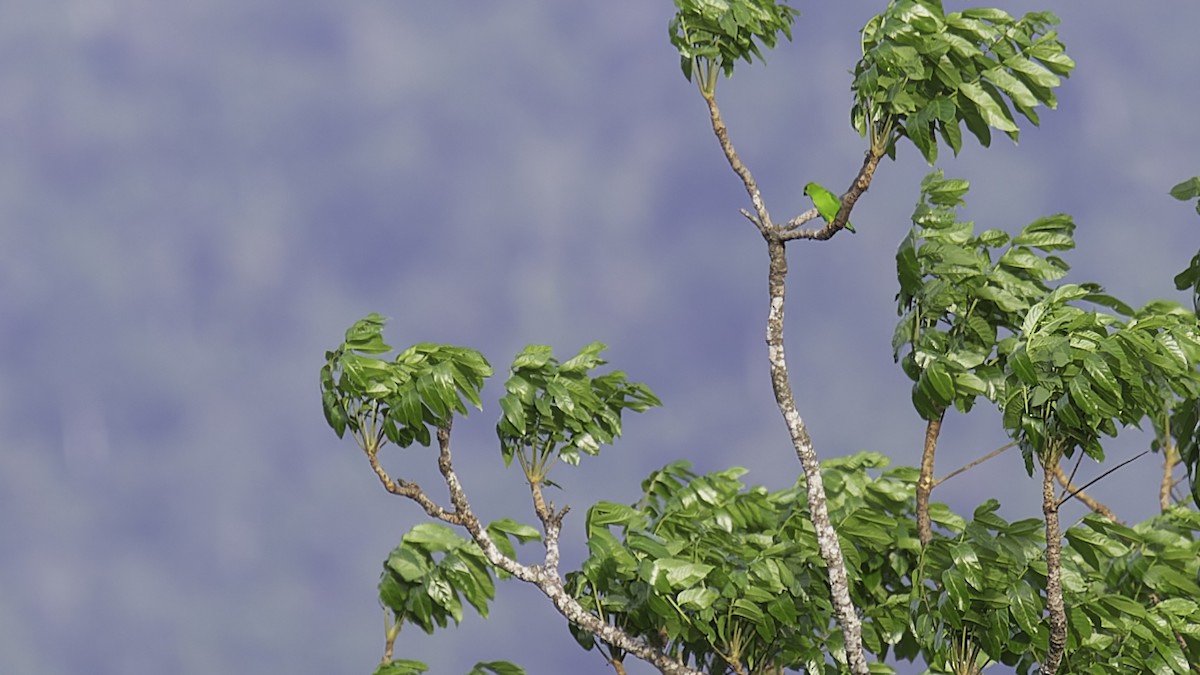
column 1089, row 501
column 827, row 539
column 925, row 482
column 974, row 464
column 1055, row 609
column 1097, row 478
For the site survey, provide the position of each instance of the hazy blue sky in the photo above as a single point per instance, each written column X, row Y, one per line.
column 196, row 199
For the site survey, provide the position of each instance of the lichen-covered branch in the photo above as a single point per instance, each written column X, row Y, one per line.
column 1055, row 609
column 762, row 216
column 827, row 539
column 408, row 490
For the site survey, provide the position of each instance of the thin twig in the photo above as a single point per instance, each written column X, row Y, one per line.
column 1071, row 479
column 974, row 464
column 1089, row 501
column 1093, row 481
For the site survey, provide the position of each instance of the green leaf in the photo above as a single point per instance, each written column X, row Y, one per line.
column 1025, row 608
column 496, row 668
column 956, row 587
column 695, row 599
column 991, row 110
column 434, row 537
column 1188, row 189
column 401, row 667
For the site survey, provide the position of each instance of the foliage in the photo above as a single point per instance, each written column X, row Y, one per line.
column 712, row 35
column 1183, row 426
column 554, row 410
column 959, row 290
column 924, row 72
column 396, row 400
column 725, row 576
column 1072, row 374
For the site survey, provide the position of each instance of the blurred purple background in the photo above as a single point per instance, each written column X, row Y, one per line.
column 196, row 200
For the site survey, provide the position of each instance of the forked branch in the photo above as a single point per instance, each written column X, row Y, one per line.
column 827, row 539
column 544, row 576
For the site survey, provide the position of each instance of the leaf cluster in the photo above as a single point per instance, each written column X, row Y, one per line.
column 553, row 410
column 1183, row 426
column 728, row 578
column 925, row 73
column 397, row 400
column 410, row 667
column 428, row 576
column 1073, row 374
column 1129, row 591
column 712, row 35
column 959, row 289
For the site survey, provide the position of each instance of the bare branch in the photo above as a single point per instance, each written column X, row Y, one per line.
column 1093, row 481
column 403, row 488
column 1091, row 502
column 760, row 208
column 974, row 464
column 1169, row 459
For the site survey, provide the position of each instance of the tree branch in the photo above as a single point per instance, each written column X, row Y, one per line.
column 1089, row 501
column 403, row 488
column 925, row 481
column 861, row 182
column 827, row 539
column 973, row 464
column 1055, row 609
column 546, row 577
column 1169, row 458
column 762, row 218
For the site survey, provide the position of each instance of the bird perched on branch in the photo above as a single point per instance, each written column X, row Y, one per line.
column 826, row 202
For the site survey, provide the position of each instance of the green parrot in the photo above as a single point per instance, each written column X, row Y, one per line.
column 826, row 202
